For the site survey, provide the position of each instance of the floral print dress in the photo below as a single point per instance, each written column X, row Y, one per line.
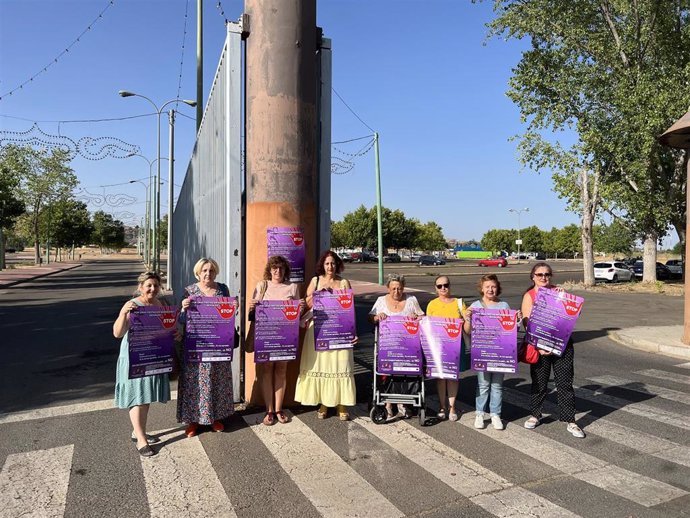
column 204, row 390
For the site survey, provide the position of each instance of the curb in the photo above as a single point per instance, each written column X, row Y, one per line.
column 641, row 344
column 9, row 284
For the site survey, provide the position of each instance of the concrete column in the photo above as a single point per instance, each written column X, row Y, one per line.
column 281, row 121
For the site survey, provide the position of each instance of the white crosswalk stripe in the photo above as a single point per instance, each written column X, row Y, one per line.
column 482, row 486
column 35, row 483
column 174, row 486
column 333, row 487
column 683, row 365
column 639, row 409
column 624, row 435
column 643, row 388
column 632, row 486
column 665, row 375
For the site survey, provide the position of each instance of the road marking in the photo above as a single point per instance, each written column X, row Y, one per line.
column 665, row 375
column 643, row 388
column 35, row 483
column 631, row 486
column 330, row 484
column 480, row 485
column 180, row 480
column 614, row 432
column 683, row 365
column 639, row 409
column 57, row 411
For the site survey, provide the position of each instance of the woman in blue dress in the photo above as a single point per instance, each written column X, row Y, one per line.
column 138, row 393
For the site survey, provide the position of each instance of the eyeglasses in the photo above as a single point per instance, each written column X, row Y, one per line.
column 445, row 285
column 544, row 275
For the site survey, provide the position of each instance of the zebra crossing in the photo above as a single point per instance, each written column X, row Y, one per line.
column 634, row 462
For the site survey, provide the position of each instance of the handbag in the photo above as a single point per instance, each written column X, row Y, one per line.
column 249, row 339
column 528, row 354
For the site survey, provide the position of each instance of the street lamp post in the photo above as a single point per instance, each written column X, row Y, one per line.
column 519, row 240
column 157, row 190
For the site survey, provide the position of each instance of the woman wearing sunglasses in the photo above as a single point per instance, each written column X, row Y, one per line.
column 563, row 366
column 446, row 306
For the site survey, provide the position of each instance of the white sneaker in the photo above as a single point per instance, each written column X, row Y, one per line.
column 497, row 422
column 576, row 431
column 532, row 423
column 479, row 421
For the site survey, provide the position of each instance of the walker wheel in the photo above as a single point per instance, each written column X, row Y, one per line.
column 378, row 414
column 422, row 417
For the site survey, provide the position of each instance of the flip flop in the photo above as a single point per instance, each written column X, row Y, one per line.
column 282, row 417
column 269, row 419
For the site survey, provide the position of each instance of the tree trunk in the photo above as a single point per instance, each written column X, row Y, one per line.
column 649, row 257
column 589, row 194
column 2, row 250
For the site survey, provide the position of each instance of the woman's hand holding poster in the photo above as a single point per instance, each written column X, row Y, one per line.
column 276, row 330
column 151, row 338
column 210, row 331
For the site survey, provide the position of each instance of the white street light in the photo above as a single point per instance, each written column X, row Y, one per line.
column 518, row 242
column 157, row 185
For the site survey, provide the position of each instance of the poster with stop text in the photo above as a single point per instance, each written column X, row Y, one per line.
column 494, row 340
column 553, row 320
column 399, row 347
column 288, row 242
column 441, row 340
column 151, row 338
column 334, row 319
column 276, row 330
column 210, row 329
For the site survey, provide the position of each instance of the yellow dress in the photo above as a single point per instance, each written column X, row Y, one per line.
column 325, row 377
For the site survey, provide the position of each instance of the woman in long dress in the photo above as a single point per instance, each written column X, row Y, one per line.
column 326, row 378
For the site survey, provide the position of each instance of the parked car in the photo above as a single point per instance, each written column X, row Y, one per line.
column 676, row 267
column 662, row 271
column 392, row 258
column 346, row 257
column 612, row 272
column 494, row 261
column 414, row 257
column 430, row 260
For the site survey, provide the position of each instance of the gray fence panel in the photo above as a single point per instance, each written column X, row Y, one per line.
column 207, row 216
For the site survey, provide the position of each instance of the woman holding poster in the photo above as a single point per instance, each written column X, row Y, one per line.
column 271, row 375
column 138, row 393
column 205, row 388
column 326, row 377
column 395, row 302
column 563, row 366
column 446, row 306
column 489, row 384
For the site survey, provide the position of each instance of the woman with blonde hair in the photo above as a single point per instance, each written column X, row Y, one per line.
column 204, row 391
column 137, row 394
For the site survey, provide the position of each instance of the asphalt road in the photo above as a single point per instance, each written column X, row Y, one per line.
column 75, row 459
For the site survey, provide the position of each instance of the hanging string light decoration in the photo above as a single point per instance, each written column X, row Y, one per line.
column 90, row 148
column 342, row 162
column 119, row 200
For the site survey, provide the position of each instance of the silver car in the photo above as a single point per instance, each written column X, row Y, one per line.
column 676, row 266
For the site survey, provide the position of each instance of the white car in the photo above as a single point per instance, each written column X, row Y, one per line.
column 612, row 271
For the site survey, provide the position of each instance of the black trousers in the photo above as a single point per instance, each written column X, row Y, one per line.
column 563, row 373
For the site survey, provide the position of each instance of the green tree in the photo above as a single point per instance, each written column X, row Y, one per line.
column 338, row 235
column 532, row 239
column 360, row 228
column 615, row 238
column 609, row 70
column 430, row 237
column 11, row 205
column 496, row 240
column 71, row 223
column 163, row 232
column 108, row 233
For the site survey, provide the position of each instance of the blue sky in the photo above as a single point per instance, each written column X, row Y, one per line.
column 419, row 72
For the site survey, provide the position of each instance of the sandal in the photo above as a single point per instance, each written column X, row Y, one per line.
column 442, row 414
column 343, row 414
column 323, row 411
column 453, row 416
column 191, row 430
column 282, row 417
column 269, row 419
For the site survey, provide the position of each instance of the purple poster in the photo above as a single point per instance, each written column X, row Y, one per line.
column 400, row 352
column 494, row 340
column 441, row 340
column 151, row 338
column 334, row 320
column 553, row 319
column 276, row 330
column 210, row 330
column 288, row 242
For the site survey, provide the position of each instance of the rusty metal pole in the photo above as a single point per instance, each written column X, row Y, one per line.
column 281, row 149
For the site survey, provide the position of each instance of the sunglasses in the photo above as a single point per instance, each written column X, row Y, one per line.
column 445, row 285
column 545, row 275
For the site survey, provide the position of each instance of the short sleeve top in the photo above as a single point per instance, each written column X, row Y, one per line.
column 274, row 291
column 411, row 307
column 498, row 305
column 437, row 308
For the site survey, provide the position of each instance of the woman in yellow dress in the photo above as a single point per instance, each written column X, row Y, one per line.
column 326, row 378
column 446, row 306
